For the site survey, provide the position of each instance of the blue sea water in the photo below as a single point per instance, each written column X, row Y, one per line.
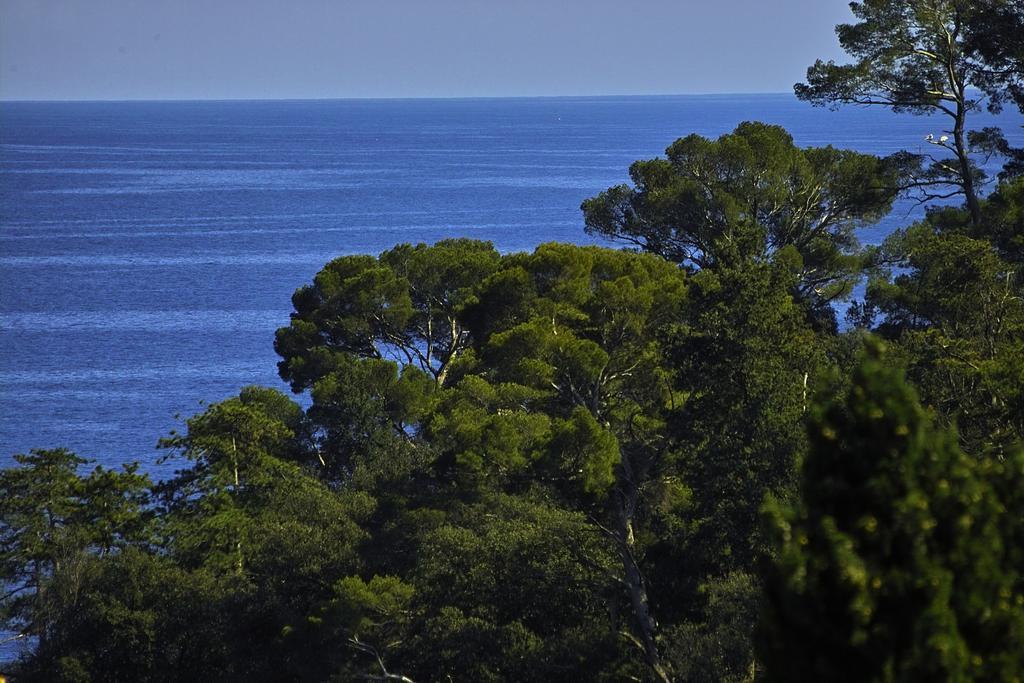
column 148, row 250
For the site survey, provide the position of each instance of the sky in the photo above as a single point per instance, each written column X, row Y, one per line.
column 264, row 49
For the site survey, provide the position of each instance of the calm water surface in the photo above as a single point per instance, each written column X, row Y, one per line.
column 148, row 250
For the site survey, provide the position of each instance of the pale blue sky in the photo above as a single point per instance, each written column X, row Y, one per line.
column 225, row 49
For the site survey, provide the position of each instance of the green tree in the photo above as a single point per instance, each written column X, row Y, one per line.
column 522, row 574
column 995, row 34
column 366, row 408
column 231, row 446
column 241, row 509
column 589, row 350
column 373, row 339
column 954, row 307
column 744, row 359
column 746, row 195
column 246, row 542
column 661, row 406
column 136, row 616
column 507, row 588
column 561, row 381
column 356, row 631
column 51, row 519
column 402, row 307
column 897, row 564
column 747, row 358
column 949, row 57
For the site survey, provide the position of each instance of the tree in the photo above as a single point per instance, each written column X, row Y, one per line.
column 523, row 573
column 588, row 348
column 139, row 617
column 374, row 339
column 241, row 509
column 356, row 630
column 745, row 359
column 507, row 588
column 51, row 519
column 659, row 405
column 561, row 381
column 746, row 195
column 232, row 446
column 244, row 544
column 955, row 310
column 897, row 564
column 403, row 307
column 925, row 57
column 365, row 409
column 995, row 34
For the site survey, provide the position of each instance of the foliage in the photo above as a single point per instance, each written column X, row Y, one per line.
column 552, row 466
column 51, row 520
column 896, row 565
column 400, row 307
column 137, row 616
column 956, row 309
column 746, row 195
column 747, row 359
column 931, row 56
column 575, row 494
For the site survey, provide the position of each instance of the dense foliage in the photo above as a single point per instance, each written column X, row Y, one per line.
column 895, row 564
column 662, row 464
column 745, row 196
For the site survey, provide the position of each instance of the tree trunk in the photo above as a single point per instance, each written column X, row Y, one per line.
column 635, row 585
column 239, row 565
column 956, row 77
column 966, row 173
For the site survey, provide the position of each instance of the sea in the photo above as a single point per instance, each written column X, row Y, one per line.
column 148, row 250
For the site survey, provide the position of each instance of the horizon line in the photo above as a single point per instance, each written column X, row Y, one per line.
column 396, row 98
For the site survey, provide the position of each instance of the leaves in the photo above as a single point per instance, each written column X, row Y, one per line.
column 956, row 309
column 892, row 567
column 924, row 57
column 746, row 195
column 51, row 519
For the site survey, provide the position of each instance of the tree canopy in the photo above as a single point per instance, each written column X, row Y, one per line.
column 948, row 57
column 747, row 195
column 570, row 483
